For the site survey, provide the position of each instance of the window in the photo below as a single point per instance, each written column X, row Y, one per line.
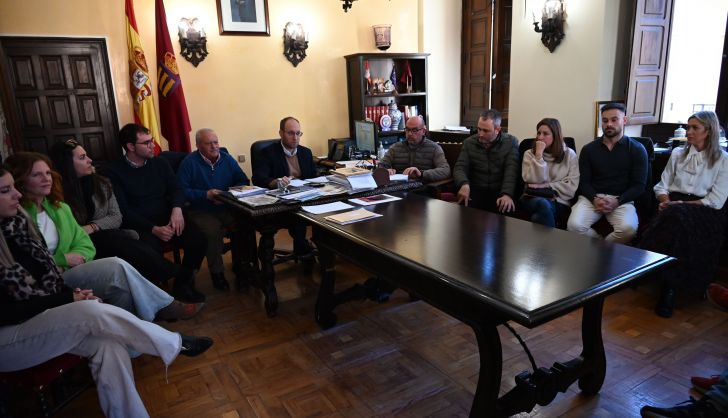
column 693, row 66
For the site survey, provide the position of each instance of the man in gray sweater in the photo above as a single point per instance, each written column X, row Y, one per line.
column 487, row 168
column 418, row 157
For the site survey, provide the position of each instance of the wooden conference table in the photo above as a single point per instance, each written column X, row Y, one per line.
column 485, row 269
column 267, row 220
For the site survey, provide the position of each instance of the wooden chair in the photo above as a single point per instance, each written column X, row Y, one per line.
column 48, row 382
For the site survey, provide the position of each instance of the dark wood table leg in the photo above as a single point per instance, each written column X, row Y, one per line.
column 267, row 273
column 594, row 358
column 489, row 377
column 326, row 301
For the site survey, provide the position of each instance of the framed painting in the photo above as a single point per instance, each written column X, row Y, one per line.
column 598, row 116
column 243, row 17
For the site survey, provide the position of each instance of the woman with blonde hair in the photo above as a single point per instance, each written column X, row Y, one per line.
column 691, row 220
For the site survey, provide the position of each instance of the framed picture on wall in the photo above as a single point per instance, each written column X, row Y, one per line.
column 598, row 116
column 243, row 17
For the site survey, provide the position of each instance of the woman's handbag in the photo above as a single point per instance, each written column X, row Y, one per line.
column 545, row 192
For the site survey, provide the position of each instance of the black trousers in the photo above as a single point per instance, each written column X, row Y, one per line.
column 152, row 265
column 192, row 241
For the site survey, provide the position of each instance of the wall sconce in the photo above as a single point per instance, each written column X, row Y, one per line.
column 347, row 5
column 193, row 40
column 552, row 23
column 295, row 43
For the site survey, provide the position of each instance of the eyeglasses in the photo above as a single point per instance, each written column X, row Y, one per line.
column 71, row 143
column 145, row 143
column 412, row 130
column 292, row 133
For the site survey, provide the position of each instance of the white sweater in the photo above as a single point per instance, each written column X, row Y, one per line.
column 562, row 177
column 692, row 176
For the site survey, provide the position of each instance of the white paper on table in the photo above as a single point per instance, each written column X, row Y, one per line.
column 399, row 177
column 329, row 207
column 321, row 179
column 362, row 182
column 297, row 182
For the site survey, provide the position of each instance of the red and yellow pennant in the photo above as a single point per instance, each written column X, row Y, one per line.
column 141, row 84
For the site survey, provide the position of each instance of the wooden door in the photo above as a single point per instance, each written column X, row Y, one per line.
column 484, row 85
column 648, row 64
column 476, row 50
column 58, row 88
column 501, row 78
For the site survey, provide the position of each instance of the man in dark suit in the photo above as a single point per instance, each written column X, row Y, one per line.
column 283, row 161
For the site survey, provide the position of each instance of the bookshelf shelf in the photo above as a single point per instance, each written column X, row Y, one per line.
column 363, row 102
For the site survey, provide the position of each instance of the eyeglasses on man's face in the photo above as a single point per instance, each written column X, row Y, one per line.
column 145, row 143
column 412, row 130
column 294, row 133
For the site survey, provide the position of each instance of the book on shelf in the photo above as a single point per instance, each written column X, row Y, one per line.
column 242, row 191
column 352, row 216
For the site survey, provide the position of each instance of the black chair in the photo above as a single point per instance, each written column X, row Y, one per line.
column 256, row 149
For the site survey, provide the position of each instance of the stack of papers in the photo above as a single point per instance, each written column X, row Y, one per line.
column 242, row 191
column 329, row 207
column 352, row 216
column 301, row 196
column 258, row 200
column 355, row 184
column 456, row 128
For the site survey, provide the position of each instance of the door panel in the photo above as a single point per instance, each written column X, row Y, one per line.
column 57, row 88
column 477, row 75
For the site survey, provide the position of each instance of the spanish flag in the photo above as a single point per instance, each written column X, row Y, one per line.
column 141, row 84
column 173, row 114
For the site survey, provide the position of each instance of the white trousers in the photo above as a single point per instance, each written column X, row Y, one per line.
column 98, row 331
column 623, row 219
column 118, row 283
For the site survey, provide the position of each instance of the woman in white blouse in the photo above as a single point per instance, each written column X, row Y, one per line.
column 691, row 220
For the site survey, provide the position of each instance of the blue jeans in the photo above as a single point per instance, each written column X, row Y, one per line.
column 117, row 283
column 542, row 210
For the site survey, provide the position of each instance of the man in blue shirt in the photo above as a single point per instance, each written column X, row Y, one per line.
column 203, row 175
column 613, row 173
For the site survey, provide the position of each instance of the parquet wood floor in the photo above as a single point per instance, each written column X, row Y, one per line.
column 407, row 359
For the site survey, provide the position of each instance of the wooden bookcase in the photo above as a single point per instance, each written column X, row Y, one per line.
column 380, row 66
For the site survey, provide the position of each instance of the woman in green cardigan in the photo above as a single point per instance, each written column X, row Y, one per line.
column 112, row 279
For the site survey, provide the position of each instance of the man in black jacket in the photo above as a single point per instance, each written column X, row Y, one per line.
column 280, row 163
column 151, row 201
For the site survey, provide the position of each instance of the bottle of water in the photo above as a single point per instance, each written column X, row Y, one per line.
column 381, row 152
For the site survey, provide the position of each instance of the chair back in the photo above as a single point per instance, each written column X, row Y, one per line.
column 452, row 152
column 257, row 148
column 646, row 204
column 381, row 176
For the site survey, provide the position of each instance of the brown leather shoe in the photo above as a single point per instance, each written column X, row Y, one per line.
column 178, row 310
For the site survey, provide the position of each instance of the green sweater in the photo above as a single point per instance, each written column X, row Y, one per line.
column 71, row 237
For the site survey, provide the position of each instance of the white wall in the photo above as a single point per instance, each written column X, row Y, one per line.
column 440, row 36
column 587, row 66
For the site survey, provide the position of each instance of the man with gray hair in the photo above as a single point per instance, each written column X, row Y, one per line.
column 202, row 175
column 487, row 168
